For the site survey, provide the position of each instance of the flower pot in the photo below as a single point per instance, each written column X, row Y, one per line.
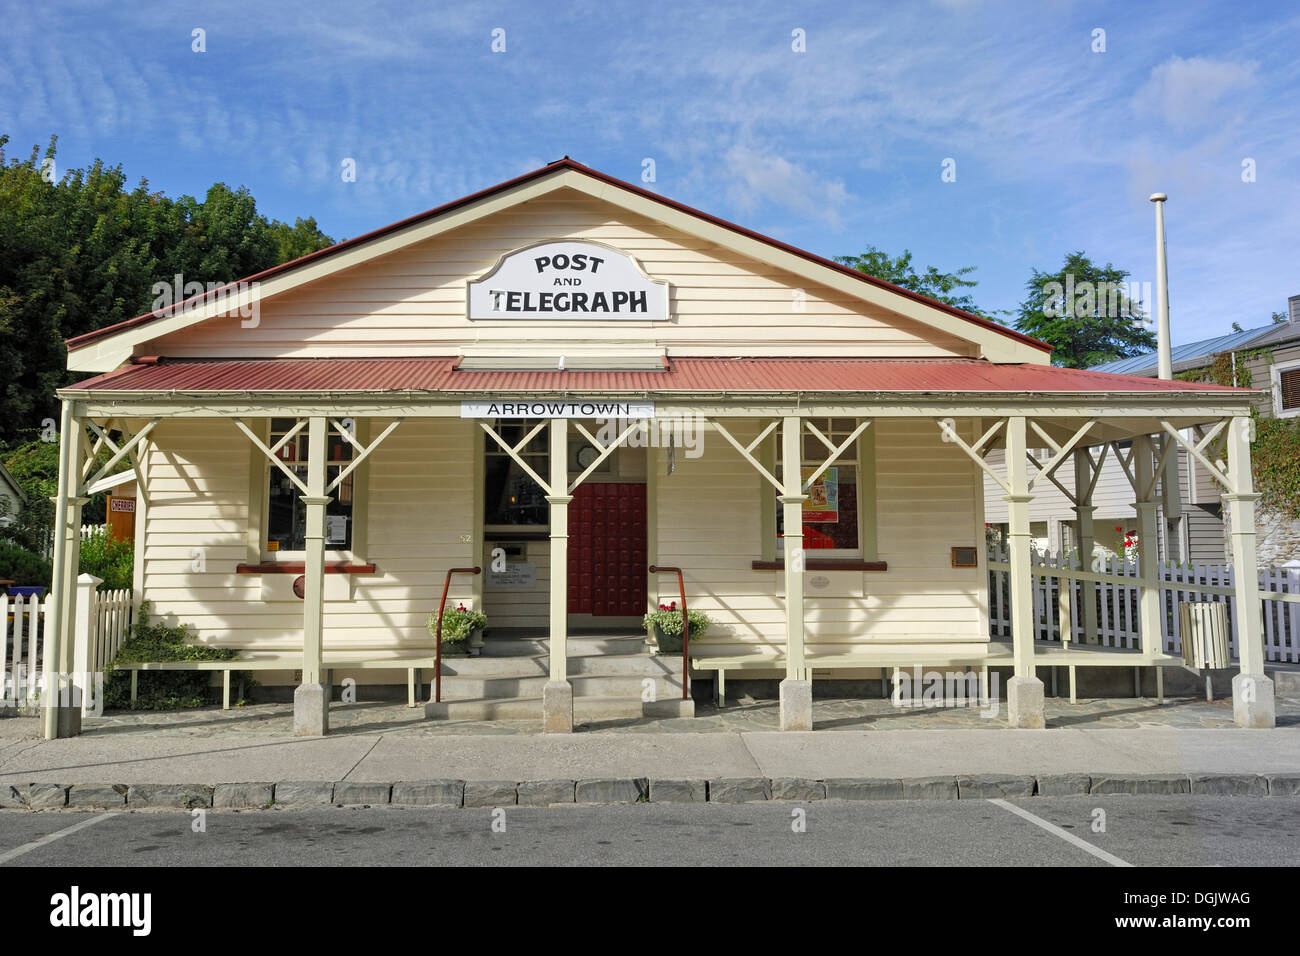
column 476, row 641
column 455, row 648
column 668, row 643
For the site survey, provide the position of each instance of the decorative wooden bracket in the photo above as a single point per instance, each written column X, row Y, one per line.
column 1095, row 468
column 105, row 477
column 1126, row 464
column 747, row 451
column 513, row 452
column 1197, row 450
column 1062, row 452
column 836, row 450
column 362, row 450
column 975, row 451
column 1162, row 463
column 605, row 450
column 272, row 453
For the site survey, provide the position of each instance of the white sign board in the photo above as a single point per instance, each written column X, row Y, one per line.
column 336, row 529
column 556, row 408
column 521, row 575
column 568, row 279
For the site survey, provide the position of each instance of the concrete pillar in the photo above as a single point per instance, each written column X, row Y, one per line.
column 1024, row 690
column 1086, row 542
column 58, row 717
column 1151, row 610
column 312, row 698
column 1252, row 691
column 557, row 694
column 796, row 689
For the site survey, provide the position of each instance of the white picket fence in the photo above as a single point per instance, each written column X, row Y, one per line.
column 21, row 651
column 1117, row 603
column 101, row 622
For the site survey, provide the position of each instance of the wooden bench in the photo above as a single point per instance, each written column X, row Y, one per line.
column 893, row 657
column 287, row 662
column 982, row 655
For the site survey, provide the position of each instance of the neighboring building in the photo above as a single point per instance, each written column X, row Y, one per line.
column 1194, row 528
column 12, row 498
column 425, row 397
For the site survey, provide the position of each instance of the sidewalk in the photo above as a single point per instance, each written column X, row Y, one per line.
column 905, row 753
column 143, row 749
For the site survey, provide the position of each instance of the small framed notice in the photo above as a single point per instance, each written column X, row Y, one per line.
column 965, row 558
column 336, row 529
column 521, row 575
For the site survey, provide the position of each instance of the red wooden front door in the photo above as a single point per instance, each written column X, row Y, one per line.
column 607, row 550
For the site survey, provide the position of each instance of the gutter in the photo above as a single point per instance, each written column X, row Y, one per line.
column 717, row 394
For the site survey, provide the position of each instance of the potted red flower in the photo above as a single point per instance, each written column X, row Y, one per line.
column 667, row 623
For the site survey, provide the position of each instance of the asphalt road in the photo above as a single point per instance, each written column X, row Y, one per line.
column 1141, row 831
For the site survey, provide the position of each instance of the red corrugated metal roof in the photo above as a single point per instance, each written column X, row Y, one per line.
column 81, row 341
column 682, row 375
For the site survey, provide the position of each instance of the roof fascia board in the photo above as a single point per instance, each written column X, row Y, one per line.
column 993, row 345
column 112, row 351
column 733, row 404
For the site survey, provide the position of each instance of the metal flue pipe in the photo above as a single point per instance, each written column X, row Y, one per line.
column 1163, row 348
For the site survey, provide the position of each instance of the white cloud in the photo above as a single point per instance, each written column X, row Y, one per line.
column 757, row 177
column 1185, row 94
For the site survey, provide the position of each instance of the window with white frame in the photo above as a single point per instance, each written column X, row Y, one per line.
column 832, row 523
column 1286, row 389
column 512, row 499
column 286, row 515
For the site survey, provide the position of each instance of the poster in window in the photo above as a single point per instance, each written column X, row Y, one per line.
column 823, row 504
column 336, row 529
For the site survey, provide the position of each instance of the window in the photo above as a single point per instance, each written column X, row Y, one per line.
column 1286, row 389
column 831, row 519
column 286, row 515
column 511, row 498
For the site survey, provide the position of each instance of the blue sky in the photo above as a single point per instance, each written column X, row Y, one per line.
column 1056, row 146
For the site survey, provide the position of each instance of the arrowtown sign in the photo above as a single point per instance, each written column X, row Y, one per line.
column 568, row 279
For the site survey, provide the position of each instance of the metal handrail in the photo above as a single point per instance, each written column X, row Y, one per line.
column 686, row 626
column 437, row 637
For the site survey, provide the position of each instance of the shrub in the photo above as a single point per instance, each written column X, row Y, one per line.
column 458, row 623
column 161, row 690
column 108, row 559
column 22, row 567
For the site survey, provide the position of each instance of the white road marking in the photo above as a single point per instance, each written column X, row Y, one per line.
column 1065, row 835
column 50, row 838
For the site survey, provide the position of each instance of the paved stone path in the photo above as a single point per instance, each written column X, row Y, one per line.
column 742, row 715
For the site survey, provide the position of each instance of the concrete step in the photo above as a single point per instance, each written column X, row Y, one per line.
column 599, row 686
column 619, row 665
column 584, row 709
column 579, row 645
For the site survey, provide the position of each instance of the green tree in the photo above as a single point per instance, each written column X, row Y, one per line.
column 68, row 263
column 941, row 286
column 81, row 252
column 300, row 239
column 1085, row 312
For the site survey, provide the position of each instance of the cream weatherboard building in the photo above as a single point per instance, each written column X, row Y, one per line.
column 581, row 380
